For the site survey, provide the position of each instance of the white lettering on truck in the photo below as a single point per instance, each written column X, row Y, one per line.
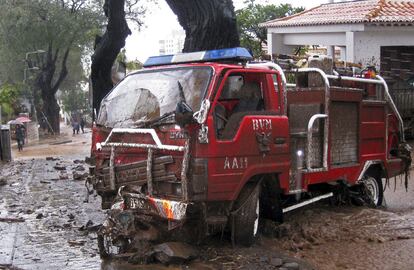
column 262, row 124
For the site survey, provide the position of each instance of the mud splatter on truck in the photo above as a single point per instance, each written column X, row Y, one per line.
column 204, row 142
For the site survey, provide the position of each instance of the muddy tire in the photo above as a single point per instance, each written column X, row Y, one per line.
column 245, row 217
column 373, row 192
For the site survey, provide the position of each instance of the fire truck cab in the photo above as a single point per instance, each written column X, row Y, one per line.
column 207, row 136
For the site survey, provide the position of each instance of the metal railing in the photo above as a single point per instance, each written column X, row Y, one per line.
column 379, row 81
column 388, row 98
column 150, row 148
column 315, row 117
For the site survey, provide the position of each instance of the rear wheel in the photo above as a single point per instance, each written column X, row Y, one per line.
column 245, row 217
column 373, row 192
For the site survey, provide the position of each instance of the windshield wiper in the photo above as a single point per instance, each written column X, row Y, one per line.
column 181, row 92
column 156, row 121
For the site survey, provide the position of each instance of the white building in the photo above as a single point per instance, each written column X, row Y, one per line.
column 369, row 32
column 173, row 44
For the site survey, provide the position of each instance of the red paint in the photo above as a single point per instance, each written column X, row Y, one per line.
column 232, row 162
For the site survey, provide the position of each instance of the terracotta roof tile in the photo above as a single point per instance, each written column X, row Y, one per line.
column 366, row 11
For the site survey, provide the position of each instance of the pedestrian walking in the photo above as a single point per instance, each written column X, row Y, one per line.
column 75, row 127
column 20, row 134
column 82, row 124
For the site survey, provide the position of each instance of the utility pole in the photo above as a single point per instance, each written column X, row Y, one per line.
column 33, row 109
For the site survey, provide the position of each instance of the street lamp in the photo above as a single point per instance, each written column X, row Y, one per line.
column 33, row 110
column 34, row 52
column 25, row 72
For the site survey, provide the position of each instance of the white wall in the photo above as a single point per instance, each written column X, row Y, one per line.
column 368, row 44
column 337, row 39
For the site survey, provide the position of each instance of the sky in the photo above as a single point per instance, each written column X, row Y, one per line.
column 161, row 21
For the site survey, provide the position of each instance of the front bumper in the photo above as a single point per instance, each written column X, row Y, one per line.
column 166, row 209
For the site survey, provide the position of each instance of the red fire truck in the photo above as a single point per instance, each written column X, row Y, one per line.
column 207, row 138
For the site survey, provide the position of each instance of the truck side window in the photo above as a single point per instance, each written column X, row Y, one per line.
column 238, row 99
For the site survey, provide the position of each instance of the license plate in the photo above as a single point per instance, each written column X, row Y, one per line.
column 137, row 203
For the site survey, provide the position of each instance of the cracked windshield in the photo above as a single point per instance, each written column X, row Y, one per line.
column 146, row 96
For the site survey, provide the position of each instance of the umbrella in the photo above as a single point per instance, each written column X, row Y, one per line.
column 14, row 122
column 23, row 119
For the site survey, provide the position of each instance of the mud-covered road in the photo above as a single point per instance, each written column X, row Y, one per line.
column 45, row 224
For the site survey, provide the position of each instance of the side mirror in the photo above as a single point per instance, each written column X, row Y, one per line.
column 183, row 114
column 201, row 115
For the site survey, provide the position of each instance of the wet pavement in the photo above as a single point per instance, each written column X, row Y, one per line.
column 52, row 212
column 45, row 224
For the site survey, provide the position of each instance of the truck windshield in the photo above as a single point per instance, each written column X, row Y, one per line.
column 149, row 95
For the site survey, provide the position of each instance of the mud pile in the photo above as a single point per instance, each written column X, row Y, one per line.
column 308, row 228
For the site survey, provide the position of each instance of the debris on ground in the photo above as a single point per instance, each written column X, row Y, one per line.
column 3, row 182
column 76, row 242
column 45, row 182
column 80, row 176
column 63, row 176
column 276, row 262
column 90, row 227
column 59, row 167
column 79, row 168
column 11, row 219
column 324, row 228
column 52, row 158
column 291, row 266
column 174, row 252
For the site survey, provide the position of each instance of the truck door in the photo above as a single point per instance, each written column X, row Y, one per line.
column 250, row 132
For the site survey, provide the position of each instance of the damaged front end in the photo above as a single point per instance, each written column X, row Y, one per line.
column 141, row 148
column 136, row 222
column 151, row 195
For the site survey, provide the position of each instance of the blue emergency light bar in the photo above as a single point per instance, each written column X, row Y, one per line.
column 232, row 54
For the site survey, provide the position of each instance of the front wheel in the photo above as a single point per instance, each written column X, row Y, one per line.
column 373, row 192
column 245, row 217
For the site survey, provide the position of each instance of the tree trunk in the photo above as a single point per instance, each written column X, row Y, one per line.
column 208, row 24
column 107, row 48
column 51, row 112
column 49, row 86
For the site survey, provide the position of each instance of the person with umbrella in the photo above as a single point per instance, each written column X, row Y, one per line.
column 20, row 134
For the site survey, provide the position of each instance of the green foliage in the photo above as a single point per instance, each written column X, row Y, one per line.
column 130, row 65
column 29, row 25
column 134, row 65
column 253, row 36
column 9, row 99
column 51, row 26
column 75, row 100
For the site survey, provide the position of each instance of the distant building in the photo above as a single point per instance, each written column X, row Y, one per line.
column 173, row 44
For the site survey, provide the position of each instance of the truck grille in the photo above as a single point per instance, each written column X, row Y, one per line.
column 136, row 173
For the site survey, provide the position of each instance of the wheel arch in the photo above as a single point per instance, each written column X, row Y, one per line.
column 270, row 181
column 373, row 168
column 270, row 194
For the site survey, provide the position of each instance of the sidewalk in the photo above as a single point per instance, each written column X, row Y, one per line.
column 65, row 144
column 43, row 218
